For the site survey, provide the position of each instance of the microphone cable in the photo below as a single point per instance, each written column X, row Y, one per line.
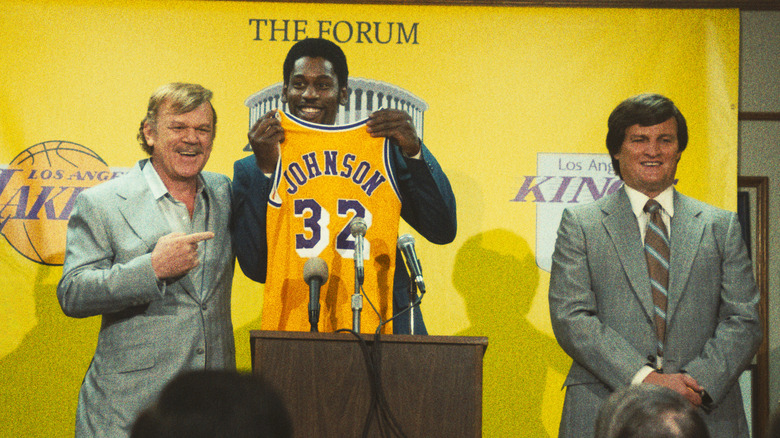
column 379, row 407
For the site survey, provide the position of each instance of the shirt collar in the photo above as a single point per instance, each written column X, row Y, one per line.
column 639, row 199
column 156, row 186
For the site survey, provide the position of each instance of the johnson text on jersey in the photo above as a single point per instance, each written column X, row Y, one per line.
column 329, row 164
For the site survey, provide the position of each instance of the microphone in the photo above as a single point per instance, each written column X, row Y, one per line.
column 315, row 273
column 358, row 229
column 406, row 245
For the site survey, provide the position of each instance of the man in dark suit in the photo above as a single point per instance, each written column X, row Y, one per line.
column 150, row 252
column 315, row 84
column 631, row 302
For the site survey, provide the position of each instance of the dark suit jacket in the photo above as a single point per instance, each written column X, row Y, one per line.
column 427, row 204
column 146, row 336
column 602, row 311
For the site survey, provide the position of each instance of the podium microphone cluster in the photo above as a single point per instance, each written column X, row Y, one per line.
column 315, row 274
column 406, row 246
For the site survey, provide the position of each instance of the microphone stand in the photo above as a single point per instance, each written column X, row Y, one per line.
column 357, row 306
column 412, row 297
column 357, row 298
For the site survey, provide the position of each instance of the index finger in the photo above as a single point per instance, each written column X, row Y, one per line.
column 198, row 237
column 261, row 125
column 691, row 383
column 389, row 114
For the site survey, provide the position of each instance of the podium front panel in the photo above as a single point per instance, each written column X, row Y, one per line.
column 432, row 384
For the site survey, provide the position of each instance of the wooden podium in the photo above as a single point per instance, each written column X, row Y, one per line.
column 432, row 384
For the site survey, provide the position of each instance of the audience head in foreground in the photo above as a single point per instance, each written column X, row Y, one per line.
column 649, row 411
column 215, row 404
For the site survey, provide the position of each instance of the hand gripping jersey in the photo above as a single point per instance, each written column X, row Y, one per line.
column 326, row 176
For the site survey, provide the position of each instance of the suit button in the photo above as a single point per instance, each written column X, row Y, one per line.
column 204, row 307
column 200, row 350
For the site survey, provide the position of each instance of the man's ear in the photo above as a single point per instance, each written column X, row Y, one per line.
column 284, row 93
column 148, row 134
column 343, row 96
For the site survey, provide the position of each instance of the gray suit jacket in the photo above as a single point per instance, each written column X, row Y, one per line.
column 148, row 334
column 602, row 310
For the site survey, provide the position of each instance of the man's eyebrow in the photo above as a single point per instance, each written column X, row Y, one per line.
column 321, row 76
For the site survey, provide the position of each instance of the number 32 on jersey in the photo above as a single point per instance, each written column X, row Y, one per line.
column 316, row 223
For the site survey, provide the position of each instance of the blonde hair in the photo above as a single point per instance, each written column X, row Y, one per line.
column 182, row 98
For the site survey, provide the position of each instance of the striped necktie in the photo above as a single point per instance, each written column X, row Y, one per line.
column 657, row 255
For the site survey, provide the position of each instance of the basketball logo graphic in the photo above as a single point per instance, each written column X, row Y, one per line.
column 37, row 192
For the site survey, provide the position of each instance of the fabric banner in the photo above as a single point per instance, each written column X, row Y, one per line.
column 512, row 101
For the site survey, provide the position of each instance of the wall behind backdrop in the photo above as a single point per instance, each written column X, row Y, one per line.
column 517, row 105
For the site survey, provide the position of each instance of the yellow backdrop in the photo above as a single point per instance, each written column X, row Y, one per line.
column 518, row 100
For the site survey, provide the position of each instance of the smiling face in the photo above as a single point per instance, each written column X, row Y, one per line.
column 313, row 92
column 181, row 142
column 648, row 157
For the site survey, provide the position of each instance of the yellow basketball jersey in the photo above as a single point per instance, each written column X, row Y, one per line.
column 326, row 176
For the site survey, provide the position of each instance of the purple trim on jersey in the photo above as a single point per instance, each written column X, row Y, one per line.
column 275, row 186
column 389, row 168
column 318, row 127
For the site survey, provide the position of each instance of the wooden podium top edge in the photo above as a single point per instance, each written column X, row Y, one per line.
column 369, row 337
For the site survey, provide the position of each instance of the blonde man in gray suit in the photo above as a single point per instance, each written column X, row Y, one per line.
column 151, row 253
column 694, row 331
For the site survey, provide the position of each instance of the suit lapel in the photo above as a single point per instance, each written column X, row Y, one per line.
column 140, row 210
column 143, row 216
column 209, row 246
column 686, row 232
column 623, row 229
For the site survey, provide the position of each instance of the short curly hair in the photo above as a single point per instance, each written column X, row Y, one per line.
column 183, row 98
column 317, row 48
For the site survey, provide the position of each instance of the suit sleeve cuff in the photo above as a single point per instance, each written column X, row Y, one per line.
column 417, row 156
column 639, row 377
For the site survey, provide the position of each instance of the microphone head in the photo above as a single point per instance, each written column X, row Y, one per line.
column 358, row 226
column 405, row 240
column 315, row 267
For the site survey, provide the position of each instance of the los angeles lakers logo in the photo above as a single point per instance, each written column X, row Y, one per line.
column 37, row 192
